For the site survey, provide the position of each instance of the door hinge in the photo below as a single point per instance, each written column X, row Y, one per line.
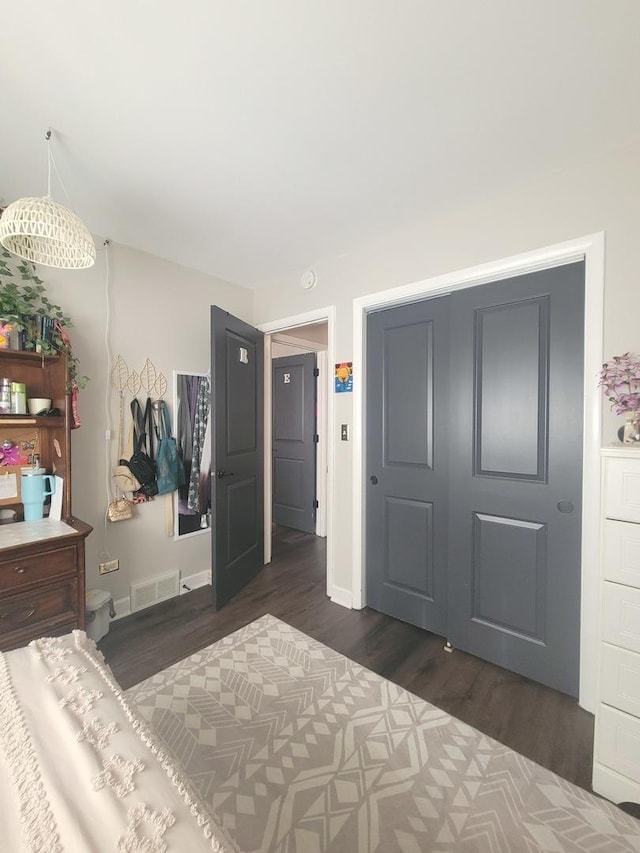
column 316, row 371
column 316, row 504
column 316, row 438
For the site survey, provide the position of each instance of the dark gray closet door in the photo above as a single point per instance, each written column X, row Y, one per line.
column 237, row 413
column 294, row 441
column 516, row 400
column 474, row 492
column 407, row 474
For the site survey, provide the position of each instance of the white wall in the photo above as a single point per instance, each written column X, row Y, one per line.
column 161, row 310
column 158, row 310
column 596, row 196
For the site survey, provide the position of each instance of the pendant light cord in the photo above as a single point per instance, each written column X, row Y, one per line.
column 48, row 138
column 51, row 161
column 107, row 402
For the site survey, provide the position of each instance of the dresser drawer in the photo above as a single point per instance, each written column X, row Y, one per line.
column 618, row 741
column 621, row 552
column 621, row 616
column 622, row 489
column 36, row 568
column 620, row 679
column 36, row 611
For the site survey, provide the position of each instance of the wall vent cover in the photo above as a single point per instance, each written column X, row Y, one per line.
column 152, row 591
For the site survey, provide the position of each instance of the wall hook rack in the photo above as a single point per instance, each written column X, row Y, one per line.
column 147, row 378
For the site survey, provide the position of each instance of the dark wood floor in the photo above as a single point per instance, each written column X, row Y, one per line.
column 538, row 722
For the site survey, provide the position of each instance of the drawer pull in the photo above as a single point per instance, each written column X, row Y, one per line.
column 28, row 615
column 19, row 570
column 32, row 609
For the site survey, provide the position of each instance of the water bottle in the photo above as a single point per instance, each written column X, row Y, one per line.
column 34, row 491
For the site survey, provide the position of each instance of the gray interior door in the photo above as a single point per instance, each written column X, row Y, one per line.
column 294, row 441
column 516, row 473
column 407, row 456
column 485, row 510
column 237, row 414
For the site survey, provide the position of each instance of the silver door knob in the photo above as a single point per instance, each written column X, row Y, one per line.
column 565, row 506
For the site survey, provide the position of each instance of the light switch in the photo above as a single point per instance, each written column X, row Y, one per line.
column 344, row 432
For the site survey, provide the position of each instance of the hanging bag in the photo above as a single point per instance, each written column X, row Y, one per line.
column 141, row 463
column 123, row 477
column 170, row 470
column 121, row 509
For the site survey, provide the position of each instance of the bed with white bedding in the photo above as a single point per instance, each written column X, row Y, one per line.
column 79, row 769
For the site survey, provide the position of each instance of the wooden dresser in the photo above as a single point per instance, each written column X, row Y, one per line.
column 616, row 763
column 42, row 588
column 42, row 578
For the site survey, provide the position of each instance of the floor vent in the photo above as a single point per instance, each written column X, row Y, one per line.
column 151, row 592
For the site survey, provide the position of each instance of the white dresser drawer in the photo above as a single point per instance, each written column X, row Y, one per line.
column 622, row 489
column 620, row 679
column 618, row 741
column 621, row 552
column 621, row 616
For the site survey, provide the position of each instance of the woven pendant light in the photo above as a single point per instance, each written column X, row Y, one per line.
column 45, row 232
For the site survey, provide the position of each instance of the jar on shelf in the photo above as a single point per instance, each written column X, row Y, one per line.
column 5, row 396
column 18, row 398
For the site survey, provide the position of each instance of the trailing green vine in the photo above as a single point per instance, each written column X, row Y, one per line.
column 24, row 302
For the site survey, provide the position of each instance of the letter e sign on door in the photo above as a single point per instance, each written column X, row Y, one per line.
column 286, row 378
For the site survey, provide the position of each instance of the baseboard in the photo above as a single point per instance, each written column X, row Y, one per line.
column 122, row 606
column 195, row 581
column 341, row 596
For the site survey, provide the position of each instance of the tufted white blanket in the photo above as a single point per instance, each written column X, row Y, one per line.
column 79, row 769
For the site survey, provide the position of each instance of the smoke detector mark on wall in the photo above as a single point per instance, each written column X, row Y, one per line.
column 308, row 280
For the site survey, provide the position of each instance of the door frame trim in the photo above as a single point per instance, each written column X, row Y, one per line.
column 589, row 248
column 327, row 315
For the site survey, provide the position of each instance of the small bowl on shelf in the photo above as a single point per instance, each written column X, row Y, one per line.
column 38, row 404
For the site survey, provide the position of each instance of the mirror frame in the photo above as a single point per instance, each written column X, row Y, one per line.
column 176, row 515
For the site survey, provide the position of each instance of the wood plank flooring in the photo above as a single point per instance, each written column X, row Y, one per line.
column 538, row 722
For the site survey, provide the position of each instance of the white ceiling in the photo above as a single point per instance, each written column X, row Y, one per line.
column 248, row 138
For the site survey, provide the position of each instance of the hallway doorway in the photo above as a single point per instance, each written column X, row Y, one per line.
column 296, row 336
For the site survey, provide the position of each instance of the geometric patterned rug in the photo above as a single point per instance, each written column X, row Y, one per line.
column 296, row 749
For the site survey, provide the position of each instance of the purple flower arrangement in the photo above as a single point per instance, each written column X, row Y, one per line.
column 620, row 382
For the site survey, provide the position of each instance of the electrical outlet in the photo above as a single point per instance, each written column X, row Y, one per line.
column 109, row 566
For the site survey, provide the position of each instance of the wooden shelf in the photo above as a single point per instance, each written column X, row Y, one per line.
column 31, row 420
column 27, row 356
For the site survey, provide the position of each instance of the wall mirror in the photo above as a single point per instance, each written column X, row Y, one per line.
column 192, row 430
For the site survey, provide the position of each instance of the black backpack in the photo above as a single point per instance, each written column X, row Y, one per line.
column 142, row 464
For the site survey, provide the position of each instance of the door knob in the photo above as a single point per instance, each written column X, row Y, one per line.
column 220, row 474
column 565, row 506
column 373, row 480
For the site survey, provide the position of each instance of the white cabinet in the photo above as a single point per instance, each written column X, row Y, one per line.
column 616, row 760
column 622, row 486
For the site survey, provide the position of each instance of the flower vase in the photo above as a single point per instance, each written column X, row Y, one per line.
column 630, row 432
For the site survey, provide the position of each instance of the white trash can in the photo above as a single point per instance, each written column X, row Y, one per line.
column 99, row 611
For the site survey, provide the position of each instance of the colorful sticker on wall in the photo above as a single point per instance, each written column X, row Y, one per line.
column 344, row 377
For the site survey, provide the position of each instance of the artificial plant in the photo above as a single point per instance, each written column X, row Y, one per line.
column 23, row 296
